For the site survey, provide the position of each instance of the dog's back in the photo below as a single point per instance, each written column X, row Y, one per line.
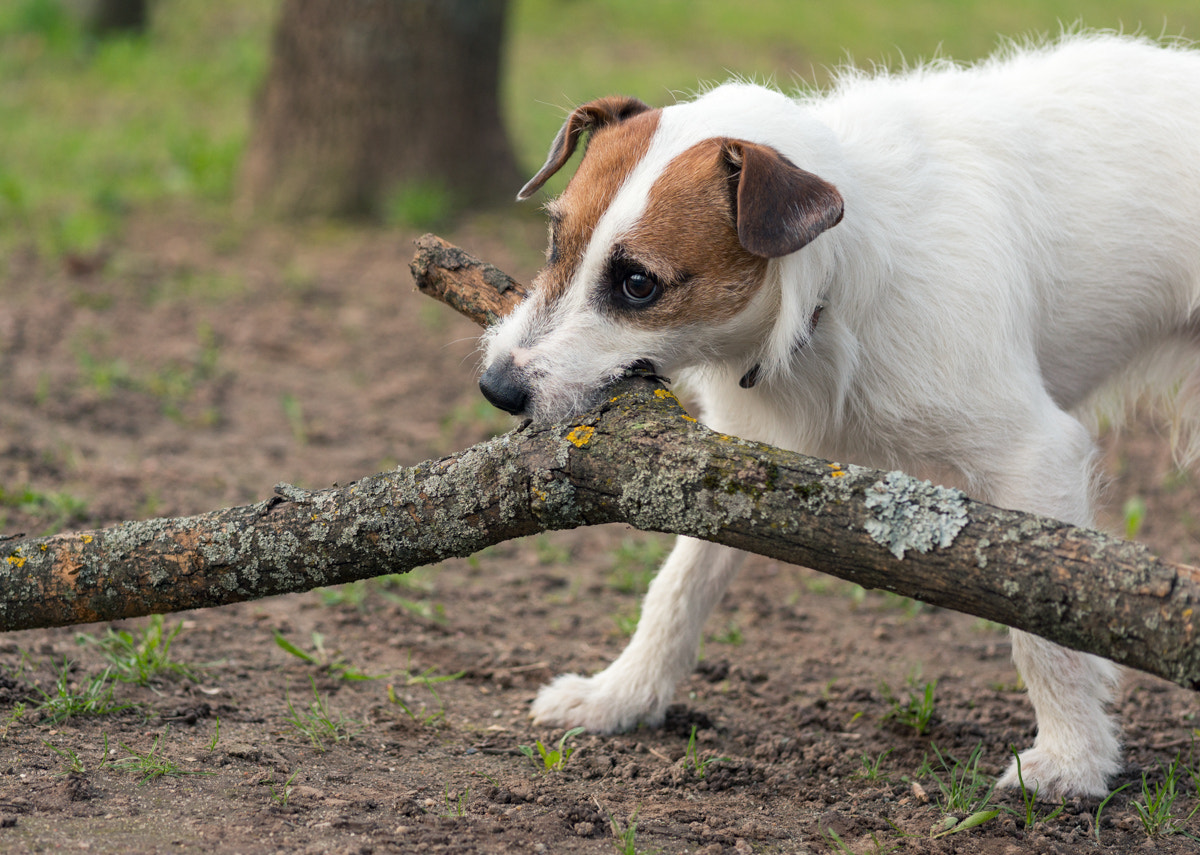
column 1031, row 219
column 1086, row 152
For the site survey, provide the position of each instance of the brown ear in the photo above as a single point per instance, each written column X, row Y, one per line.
column 589, row 117
column 780, row 207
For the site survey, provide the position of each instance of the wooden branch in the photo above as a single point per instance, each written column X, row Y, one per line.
column 639, row 459
column 464, row 283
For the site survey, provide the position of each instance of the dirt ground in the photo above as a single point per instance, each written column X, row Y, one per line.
column 195, row 365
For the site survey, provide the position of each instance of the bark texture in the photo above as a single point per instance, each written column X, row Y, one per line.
column 639, row 459
column 481, row 291
column 366, row 97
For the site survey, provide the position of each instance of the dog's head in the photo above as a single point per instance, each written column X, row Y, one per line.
column 659, row 249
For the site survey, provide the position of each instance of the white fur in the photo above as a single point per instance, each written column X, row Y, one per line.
column 1019, row 236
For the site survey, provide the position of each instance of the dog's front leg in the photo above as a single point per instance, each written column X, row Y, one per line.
column 1077, row 749
column 640, row 684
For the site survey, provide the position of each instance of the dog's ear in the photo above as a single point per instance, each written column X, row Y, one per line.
column 779, row 206
column 591, row 116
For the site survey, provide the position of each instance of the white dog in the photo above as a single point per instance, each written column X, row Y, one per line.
column 1019, row 237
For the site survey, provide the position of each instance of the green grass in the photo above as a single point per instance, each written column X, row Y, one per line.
column 872, row 770
column 283, row 794
column 1029, row 797
column 916, row 710
column 423, row 716
column 456, row 805
column 635, row 561
column 698, row 764
column 1156, row 806
column 426, row 715
column 731, row 634
column 66, row 699
column 332, row 662
column 360, row 595
column 964, row 788
column 425, row 206
column 626, row 621
column 293, row 411
column 553, row 758
column 51, row 512
column 74, row 764
column 10, row 718
column 839, row 845
column 94, row 128
column 148, row 765
column 549, row 551
column 141, row 656
column 965, row 792
column 174, row 384
column 1134, row 513
column 317, row 723
column 625, row 836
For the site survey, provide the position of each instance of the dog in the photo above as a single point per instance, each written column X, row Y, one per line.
column 943, row 270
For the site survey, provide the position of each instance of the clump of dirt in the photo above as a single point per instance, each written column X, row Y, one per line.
column 199, row 366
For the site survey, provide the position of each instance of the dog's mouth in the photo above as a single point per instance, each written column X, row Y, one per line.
column 645, row 368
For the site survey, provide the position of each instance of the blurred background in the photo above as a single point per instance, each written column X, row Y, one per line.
column 207, row 207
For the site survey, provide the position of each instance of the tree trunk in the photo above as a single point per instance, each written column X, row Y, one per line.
column 639, row 459
column 367, row 98
column 117, row 16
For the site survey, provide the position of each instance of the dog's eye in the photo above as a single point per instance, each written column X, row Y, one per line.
column 639, row 288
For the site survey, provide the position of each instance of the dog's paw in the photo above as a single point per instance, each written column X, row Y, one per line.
column 601, row 704
column 1054, row 778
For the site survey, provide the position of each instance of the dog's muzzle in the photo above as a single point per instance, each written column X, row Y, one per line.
column 501, row 385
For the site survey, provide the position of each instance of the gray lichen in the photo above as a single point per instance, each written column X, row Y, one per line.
column 910, row 514
column 981, row 559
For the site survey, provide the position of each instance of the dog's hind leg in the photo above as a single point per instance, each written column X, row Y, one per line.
column 640, row 684
column 1077, row 748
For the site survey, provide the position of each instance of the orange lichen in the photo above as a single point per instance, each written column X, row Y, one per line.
column 581, row 435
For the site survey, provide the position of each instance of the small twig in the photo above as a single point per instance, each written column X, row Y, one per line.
column 660, row 755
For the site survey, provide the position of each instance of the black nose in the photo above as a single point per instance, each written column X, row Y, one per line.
column 501, row 386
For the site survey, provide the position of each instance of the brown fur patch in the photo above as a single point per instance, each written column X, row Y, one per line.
column 612, row 153
column 688, row 238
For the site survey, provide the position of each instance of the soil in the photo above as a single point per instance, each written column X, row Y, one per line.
column 195, row 365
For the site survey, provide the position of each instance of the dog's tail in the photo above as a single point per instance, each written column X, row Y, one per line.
column 1166, row 382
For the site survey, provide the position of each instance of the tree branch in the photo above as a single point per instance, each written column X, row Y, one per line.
column 639, row 459
column 471, row 287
